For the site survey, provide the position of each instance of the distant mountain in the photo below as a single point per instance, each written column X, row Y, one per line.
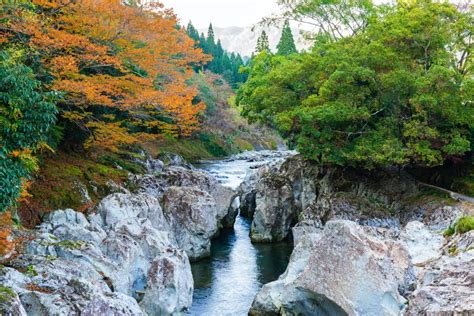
column 243, row 40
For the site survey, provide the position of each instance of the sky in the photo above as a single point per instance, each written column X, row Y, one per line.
column 222, row 13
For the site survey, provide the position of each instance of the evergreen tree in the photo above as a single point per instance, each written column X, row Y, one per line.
column 192, row 32
column 211, row 39
column 223, row 63
column 263, row 44
column 286, row 46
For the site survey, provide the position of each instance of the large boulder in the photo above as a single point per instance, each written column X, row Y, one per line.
column 274, row 212
column 55, row 286
column 193, row 217
column 340, row 271
column 176, row 176
column 169, row 284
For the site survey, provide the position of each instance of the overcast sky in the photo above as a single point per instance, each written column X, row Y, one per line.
column 222, row 12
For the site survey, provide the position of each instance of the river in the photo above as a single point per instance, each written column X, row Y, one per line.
column 227, row 282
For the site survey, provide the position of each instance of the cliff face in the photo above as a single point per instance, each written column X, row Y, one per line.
column 365, row 242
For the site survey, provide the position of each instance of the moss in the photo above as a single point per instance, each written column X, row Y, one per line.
column 68, row 244
column 462, row 226
column 31, row 271
column 6, row 294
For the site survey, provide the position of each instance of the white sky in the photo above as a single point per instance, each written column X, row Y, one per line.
column 221, row 13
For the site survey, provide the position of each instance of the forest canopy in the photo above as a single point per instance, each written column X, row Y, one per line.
column 393, row 87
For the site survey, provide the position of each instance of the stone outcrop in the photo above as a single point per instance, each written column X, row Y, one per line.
column 104, row 263
column 340, row 271
column 129, row 256
column 446, row 283
column 366, row 243
column 156, row 185
column 192, row 215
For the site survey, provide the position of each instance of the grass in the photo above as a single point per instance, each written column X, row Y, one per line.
column 56, row 185
column 463, row 225
column 6, row 294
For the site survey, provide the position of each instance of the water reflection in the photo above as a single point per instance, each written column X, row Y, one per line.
column 227, row 283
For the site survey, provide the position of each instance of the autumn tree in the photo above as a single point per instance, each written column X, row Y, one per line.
column 124, row 68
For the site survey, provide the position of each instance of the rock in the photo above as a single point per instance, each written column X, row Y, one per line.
column 10, row 304
column 169, row 288
column 154, row 166
column 341, row 271
column 170, row 159
column 423, row 244
column 119, row 206
column 192, row 215
column 112, row 251
column 175, row 176
column 274, row 213
column 64, row 287
column 229, row 220
column 446, row 285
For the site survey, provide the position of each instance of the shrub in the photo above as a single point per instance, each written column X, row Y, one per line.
column 26, row 114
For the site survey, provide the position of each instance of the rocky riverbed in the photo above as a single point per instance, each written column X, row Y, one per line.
column 366, row 243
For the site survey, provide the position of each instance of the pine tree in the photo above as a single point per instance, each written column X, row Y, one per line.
column 262, row 43
column 192, row 32
column 286, row 46
column 211, row 39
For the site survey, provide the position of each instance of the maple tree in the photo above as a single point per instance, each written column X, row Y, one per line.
column 124, row 67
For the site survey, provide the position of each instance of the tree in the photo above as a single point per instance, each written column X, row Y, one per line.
column 286, row 46
column 228, row 65
column 330, row 19
column 388, row 95
column 263, row 44
column 26, row 114
column 123, row 68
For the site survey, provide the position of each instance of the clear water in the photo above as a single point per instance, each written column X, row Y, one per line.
column 227, row 282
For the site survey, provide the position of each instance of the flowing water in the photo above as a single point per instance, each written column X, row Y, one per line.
column 227, row 282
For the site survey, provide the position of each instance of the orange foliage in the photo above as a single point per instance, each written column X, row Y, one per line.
column 7, row 243
column 127, row 57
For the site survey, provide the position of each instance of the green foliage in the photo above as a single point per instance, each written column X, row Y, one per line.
column 26, row 114
column 463, row 225
column 392, row 94
column 226, row 64
column 6, row 294
column 286, row 46
column 263, row 45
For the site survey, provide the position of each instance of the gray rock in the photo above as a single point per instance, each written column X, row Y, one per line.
column 446, row 285
column 342, row 271
column 274, row 213
column 193, row 217
column 229, row 219
column 175, row 176
column 169, row 284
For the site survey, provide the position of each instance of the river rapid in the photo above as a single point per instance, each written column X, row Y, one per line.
column 227, row 282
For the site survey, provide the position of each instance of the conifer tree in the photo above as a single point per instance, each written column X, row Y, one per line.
column 286, row 46
column 262, row 43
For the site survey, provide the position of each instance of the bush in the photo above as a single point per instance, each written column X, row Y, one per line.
column 26, row 114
